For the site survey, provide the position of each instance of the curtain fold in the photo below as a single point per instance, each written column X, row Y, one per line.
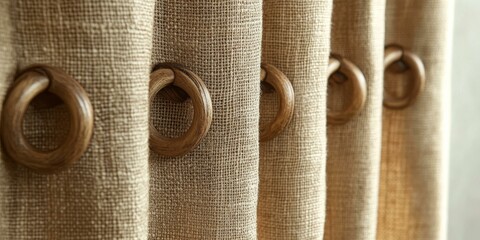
column 106, row 47
column 292, row 166
column 415, row 140
column 7, row 69
column 211, row 192
column 354, row 148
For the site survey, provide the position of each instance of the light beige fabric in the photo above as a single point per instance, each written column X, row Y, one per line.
column 7, row 68
column 354, row 148
column 105, row 46
column 415, row 147
column 292, row 166
column 211, row 193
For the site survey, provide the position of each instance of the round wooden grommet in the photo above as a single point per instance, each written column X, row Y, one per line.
column 194, row 87
column 352, row 73
column 282, row 86
column 30, row 83
column 393, row 54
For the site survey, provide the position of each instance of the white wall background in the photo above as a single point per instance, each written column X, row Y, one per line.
column 464, row 189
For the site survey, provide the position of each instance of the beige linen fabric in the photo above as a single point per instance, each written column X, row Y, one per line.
column 412, row 203
column 296, row 37
column 354, row 148
column 7, row 68
column 106, row 47
column 211, row 193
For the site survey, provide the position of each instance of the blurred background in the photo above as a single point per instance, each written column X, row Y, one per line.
column 464, row 192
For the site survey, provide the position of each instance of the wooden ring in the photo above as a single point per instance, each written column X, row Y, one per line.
column 202, row 109
column 279, row 83
column 30, row 83
column 395, row 53
column 338, row 64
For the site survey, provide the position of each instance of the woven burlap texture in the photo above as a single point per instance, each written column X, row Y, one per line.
column 412, row 202
column 7, row 68
column 106, row 47
column 212, row 192
column 354, row 148
column 296, row 36
column 230, row 186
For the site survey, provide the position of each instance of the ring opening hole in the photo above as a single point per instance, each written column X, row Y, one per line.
column 398, row 67
column 266, row 87
column 338, row 92
column 46, row 122
column 398, row 84
column 172, row 112
column 269, row 104
column 173, row 93
column 337, row 78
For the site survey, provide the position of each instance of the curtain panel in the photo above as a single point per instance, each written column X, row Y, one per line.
column 212, row 191
column 291, row 198
column 353, row 159
column 413, row 191
column 239, row 119
column 106, row 47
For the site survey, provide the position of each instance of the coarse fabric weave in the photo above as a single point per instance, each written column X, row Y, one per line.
column 365, row 179
column 106, row 47
column 415, row 140
column 354, row 148
column 296, row 36
column 212, row 192
column 7, row 70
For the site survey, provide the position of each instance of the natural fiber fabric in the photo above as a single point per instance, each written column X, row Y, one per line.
column 292, row 166
column 354, row 148
column 105, row 46
column 7, row 68
column 295, row 186
column 414, row 146
column 211, row 193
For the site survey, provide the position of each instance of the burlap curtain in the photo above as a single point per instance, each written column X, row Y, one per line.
column 379, row 175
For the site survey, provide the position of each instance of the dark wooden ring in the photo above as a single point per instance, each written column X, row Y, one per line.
column 280, row 84
column 202, row 108
column 358, row 93
column 393, row 54
column 33, row 81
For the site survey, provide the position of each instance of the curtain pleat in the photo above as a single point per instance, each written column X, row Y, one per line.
column 414, row 145
column 106, row 47
column 212, row 192
column 292, row 166
column 354, row 148
column 7, row 68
